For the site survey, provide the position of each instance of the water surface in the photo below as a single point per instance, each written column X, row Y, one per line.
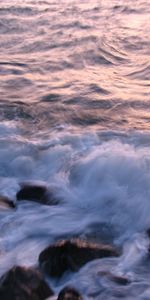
column 75, row 115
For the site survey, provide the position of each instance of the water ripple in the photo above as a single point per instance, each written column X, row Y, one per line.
column 77, row 56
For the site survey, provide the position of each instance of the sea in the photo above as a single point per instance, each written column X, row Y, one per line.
column 75, row 117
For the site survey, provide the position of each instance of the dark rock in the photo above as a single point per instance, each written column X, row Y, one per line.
column 69, row 293
column 119, row 279
column 21, row 283
column 122, row 280
column 72, row 255
column 37, row 193
column 148, row 232
column 5, row 202
column 100, row 232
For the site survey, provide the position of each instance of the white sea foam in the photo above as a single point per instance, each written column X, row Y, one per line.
column 103, row 184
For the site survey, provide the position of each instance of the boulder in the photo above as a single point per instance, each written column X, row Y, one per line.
column 21, row 283
column 72, row 255
column 6, row 203
column 37, row 193
column 69, row 293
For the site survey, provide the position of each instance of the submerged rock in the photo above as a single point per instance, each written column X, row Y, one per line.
column 100, row 232
column 37, row 193
column 6, row 203
column 148, row 232
column 122, row 280
column 72, row 255
column 119, row 279
column 21, row 283
column 69, row 293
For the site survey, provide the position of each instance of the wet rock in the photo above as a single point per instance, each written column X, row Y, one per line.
column 148, row 232
column 37, row 193
column 100, row 232
column 69, row 293
column 122, row 280
column 21, row 283
column 72, row 255
column 119, row 279
column 6, row 203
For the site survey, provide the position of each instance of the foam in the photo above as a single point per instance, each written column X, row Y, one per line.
column 102, row 181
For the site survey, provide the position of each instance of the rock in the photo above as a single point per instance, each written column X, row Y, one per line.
column 148, row 232
column 100, row 232
column 119, row 279
column 72, row 255
column 21, row 283
column 69, row 293
column 5, row 203
column 122, row 280
column 37, row 193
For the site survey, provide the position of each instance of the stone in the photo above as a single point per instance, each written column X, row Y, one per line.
column 6, row 203
column 71, row 255
column 122, row 280
column 100, row 232
column 69, row 293
column 37, row 193
column 21, row 283
column 148, row 232
column 119, row 279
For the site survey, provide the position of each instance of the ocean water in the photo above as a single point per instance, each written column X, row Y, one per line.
column 75, row 116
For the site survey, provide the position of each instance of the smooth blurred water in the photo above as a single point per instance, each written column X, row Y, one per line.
column 75, row 63
column 75, row 115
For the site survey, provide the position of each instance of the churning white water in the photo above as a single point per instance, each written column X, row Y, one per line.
column 102, row 180
column 75, row 117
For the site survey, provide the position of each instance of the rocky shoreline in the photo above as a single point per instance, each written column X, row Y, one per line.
column 64, row 255
column 21, row 283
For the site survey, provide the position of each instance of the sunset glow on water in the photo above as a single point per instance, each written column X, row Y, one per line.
column 85, row 62
column 75, row 117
